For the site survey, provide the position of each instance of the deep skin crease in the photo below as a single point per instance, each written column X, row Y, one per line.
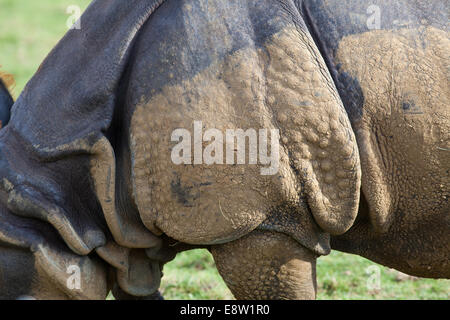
column 95, row 189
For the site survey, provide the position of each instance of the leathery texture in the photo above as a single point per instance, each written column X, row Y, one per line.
column 403, row 135
column 283, row 85
column 267, row 265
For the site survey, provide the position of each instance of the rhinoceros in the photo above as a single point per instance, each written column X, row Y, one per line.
column 6, row 100
column 129, row 144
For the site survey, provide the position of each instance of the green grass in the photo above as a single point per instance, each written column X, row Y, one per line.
column 29, row 29
column 192, row 275
column 345, row 276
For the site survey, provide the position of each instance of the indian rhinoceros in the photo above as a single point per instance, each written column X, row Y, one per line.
column 354, row 96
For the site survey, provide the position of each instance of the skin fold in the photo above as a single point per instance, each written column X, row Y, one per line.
column 361, row 114
column 267, row 265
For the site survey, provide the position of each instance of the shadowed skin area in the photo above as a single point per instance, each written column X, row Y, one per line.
column 99, row 190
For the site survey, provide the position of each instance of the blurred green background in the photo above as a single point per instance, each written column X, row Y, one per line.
column 29, row 29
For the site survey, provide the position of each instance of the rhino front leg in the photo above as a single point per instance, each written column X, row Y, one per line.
column 40, row 274
column 267, row 265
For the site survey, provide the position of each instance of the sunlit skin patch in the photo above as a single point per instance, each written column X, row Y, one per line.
column 404, row 139
column 8, row 80
column 280, row 86
column 404, row 79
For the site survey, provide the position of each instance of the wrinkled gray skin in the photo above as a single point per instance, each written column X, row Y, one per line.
column 85, row 184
